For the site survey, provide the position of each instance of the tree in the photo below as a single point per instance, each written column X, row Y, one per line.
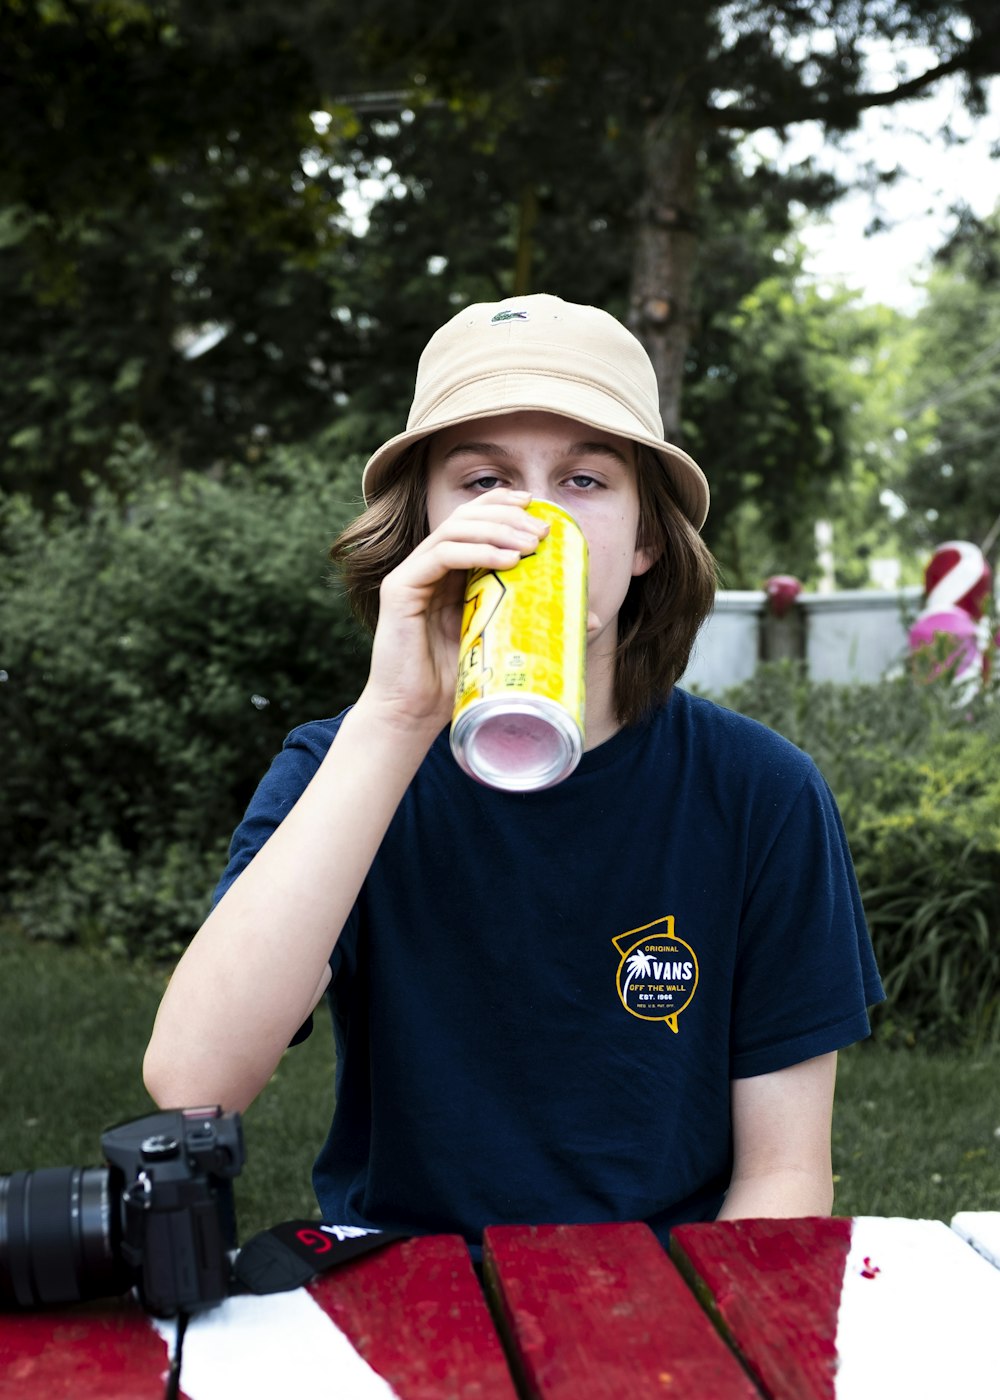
column 769, row 65
column 951, row 404
column 130, row 225
column 865, row 509
column 678, row 86
column 501, row 115
column 152, row 185
column 783, row 381
column 600, row 159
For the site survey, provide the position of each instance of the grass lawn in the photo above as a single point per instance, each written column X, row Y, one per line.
column 914, row 1134
column 73, row 1028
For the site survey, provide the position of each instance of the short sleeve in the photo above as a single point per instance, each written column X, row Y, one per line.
column 805, row 972
column 277, row 793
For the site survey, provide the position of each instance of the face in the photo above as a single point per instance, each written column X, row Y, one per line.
column 590, row 473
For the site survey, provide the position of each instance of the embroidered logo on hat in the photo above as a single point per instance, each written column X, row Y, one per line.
column 508, row 316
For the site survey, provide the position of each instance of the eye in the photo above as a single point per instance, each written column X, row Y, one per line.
column 483, row 484
column 582, row 482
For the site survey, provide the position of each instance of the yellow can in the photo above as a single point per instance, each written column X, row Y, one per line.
column 519, row 702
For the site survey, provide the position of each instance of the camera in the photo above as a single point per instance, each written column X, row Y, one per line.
column 158, row 1217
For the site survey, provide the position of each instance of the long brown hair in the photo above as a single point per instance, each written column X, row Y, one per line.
column 659, row 619
column 665, row 607
column 382, row 536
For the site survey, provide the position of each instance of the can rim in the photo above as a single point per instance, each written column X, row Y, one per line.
column 467, row 734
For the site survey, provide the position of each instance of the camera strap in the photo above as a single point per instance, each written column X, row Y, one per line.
column 287, row 1256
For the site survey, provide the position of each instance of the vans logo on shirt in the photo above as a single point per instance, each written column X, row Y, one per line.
column 657, row 972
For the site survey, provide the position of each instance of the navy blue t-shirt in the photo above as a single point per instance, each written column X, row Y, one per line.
column 540, row 999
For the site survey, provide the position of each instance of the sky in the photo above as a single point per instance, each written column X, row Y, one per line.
column 886, row 266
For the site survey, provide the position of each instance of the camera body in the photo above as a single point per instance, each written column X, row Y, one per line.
column 177, row 1218
column 159, row 1217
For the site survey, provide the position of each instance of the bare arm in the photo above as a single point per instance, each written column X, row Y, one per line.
column 259, row 963
column 781, row 1138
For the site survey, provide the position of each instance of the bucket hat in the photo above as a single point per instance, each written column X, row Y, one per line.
column 540, row 353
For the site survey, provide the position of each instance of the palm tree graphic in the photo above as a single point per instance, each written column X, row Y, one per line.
column 638, row 965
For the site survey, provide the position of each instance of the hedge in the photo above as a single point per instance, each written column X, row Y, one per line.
column 154, row 654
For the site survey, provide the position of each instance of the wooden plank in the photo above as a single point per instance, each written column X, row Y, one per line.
column 411, row 1317
column 416, row 1313
column 595, row 1311
column 260, row 1347
column 88, row 1351
column 774, row 1287
column 915, row 1292
column 981, row 1229
column 853, row 1309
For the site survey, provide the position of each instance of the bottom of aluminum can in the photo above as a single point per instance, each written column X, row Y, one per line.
column 517, row 745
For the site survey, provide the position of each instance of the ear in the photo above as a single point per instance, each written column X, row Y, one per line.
column 643, row 560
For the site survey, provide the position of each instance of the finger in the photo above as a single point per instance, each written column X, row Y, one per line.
column 494, row 531
column 470, row 544
column 487, row 522
column 503, row 494
column 426, row 568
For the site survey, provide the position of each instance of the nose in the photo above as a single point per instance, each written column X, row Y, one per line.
column 534, row 476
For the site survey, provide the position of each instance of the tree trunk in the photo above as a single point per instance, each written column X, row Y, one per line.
column 666, row 245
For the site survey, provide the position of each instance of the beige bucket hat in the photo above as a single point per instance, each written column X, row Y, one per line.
column 544, row 354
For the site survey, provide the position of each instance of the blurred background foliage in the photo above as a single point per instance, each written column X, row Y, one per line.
column 225, row 234
column 157, row 648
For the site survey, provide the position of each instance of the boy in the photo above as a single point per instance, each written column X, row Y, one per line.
column 618, row 998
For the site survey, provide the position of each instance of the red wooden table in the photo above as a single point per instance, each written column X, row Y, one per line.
column 791, row 1310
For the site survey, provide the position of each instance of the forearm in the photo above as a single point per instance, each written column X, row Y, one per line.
column 782, row 1193
column 257, row 966
column 781, row 1142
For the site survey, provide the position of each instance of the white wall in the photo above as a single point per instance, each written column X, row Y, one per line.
column 858, row 636
column 851, row 636
column 728, row 646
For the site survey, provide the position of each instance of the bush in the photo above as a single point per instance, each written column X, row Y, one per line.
column 155, row 654
column 919, row 790
column 102, row 895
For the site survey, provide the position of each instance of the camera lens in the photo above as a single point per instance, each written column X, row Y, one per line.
column 59, row 1237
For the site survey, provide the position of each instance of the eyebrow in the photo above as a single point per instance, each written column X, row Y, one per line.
column 494, row 449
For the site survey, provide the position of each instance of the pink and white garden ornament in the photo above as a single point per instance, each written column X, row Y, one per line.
column 957, row 583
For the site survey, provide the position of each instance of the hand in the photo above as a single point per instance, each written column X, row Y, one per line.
column 415, row 651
